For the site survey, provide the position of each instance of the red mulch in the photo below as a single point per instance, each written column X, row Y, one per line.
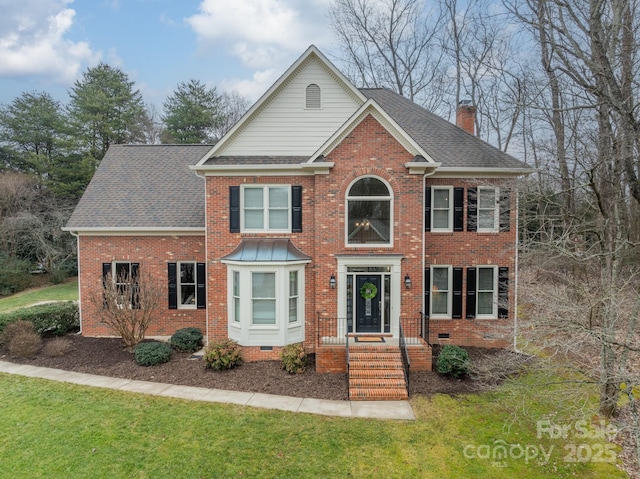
column 106, row 356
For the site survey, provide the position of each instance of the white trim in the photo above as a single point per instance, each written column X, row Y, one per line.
column 318, row 168
column 448, row 314
column 265, row 208
column 394, row 262
column 494, row 314
column 390, row 198
column 468, row 172
column 140, row 231
column 449, row 228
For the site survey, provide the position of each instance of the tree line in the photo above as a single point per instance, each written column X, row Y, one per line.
column 49, row 152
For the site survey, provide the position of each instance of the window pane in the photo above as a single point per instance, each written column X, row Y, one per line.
column 440, row 279
column 441, row 198
column 236, row 310
column 236, row 283
column 279, row 219
column 486, row 219
column 369, row 221
column 279, row 197
column 186, row 273
column 293, row 310
column 440, row 302
column 369, row 187
column 254, row 219
column 485, row 279
column 485, row 303
column 440, row 219
column 264, row 311
column 263, row 285
column 486, row 198
column 253, row 197
column 188, row 294
column 293, row 283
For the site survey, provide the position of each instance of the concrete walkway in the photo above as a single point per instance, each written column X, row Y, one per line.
column 361, row 409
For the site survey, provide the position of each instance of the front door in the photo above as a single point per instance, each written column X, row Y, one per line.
column 368, row 301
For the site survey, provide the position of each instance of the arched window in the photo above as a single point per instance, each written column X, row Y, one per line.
column 313, row 96
column 369, row 207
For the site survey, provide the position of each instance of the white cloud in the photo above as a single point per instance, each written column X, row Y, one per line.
column 253, row 88
column 32, row 41
column 260, row 33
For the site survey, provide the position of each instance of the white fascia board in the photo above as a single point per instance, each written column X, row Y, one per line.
column 266, row 97
column 460, row 172
column 420, row 167
column 142, row 231
column 371, row 107
column 264, row 170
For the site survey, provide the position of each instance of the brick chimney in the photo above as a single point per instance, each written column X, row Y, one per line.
column 466, row 117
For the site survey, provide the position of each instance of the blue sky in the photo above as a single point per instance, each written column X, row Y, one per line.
column 242, row 45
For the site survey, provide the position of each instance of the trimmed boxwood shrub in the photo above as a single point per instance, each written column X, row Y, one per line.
column 187, row 340
column 453, row 361
column 293, row 358
column 222, row 354
column 53, row 318
column 152, row 353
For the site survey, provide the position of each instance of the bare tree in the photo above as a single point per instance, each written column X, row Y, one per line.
column 392, row 44
column 127, row 303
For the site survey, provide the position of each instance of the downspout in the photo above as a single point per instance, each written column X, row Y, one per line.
column 206, row 258
column 79, row 289
column 517, row 264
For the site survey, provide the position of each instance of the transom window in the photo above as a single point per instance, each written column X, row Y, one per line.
column 486, row 292
column 441, row 291
column 369, row 209
column 487, row 209
column 266, row 208
column 441, row 210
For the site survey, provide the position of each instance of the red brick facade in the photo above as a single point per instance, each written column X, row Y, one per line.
column 369, row 150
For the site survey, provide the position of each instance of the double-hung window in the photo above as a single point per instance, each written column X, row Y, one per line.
column 187, row 284
column 124, row 289
column 293, row 296
column 441, row 291
column 488, row 212
column 487, row 292
column 263, row 298
column 266, row 208
column 441, row 208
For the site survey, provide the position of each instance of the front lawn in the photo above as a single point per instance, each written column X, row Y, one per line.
column 52, row 430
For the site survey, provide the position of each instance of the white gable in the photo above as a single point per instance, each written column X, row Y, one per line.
column 284, row 126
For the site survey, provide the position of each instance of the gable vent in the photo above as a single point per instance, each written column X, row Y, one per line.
column 313, row 96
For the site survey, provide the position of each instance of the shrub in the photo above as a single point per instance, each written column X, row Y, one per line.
column 54, row 318
column 293, row 358
column 187, row 339
column 57, row 347
column 453, row 361
column 223, row 354
column 152, row 353
column 21, row 339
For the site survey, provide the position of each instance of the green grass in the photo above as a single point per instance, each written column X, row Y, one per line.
column 61, row 292
column 57, row 430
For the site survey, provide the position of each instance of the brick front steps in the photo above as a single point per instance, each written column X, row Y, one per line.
column 376, row 374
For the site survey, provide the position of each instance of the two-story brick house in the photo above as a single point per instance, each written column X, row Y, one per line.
column 328, row 211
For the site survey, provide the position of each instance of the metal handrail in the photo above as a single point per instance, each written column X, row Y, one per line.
column 406, row 362
column 348, row 365
column 424, row 329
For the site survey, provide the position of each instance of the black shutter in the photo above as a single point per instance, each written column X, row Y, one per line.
column 296, row 209
column 472, row 213
column 505, row 210
column 458, row 209
column 106, row 272
column 201, row 285
column 427, row 209
column 234, row 209
column 456, row 310
column 135, row 285
column 471, row 293
column 503, row 292
column 172, row 273
column 427, row 290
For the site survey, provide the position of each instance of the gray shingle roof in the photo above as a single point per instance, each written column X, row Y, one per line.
column 442, row 140
column 144, row 186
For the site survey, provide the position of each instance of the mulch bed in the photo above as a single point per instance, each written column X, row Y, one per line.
column 106, row 356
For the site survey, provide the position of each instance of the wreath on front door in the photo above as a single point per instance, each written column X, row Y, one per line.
column 368, row 291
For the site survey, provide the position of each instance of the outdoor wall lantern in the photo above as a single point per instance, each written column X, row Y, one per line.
column 332, row 282
column 407, row 282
